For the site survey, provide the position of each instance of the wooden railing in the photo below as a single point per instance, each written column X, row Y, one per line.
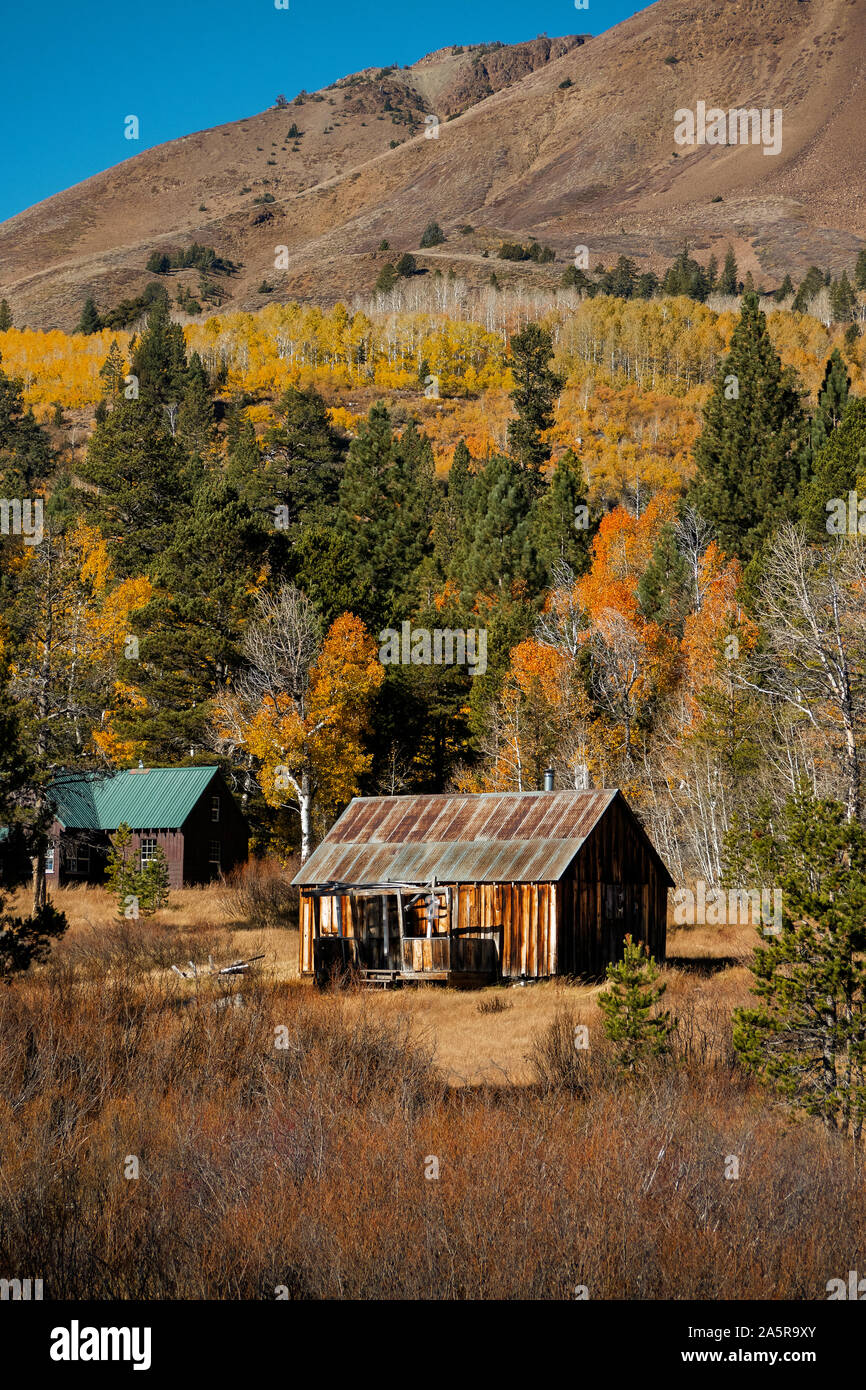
column 425, row 954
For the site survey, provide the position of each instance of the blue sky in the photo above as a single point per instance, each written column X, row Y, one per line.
column 79, row 69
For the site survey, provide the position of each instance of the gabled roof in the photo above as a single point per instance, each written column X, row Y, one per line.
column 150, row 798
column 492, row 837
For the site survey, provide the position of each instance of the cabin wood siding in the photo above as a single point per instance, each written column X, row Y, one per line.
column 616, row 884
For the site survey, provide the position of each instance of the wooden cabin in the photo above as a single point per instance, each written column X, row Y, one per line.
column 468, row 889
column 189, row 812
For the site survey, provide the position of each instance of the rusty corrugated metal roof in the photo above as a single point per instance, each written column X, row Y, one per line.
column 495, row 837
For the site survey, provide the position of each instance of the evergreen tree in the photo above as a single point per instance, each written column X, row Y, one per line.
column 140, row 889
column 559, row 535
column 195, row 416
column 812, row 282
column 113, row 369
column 807, row 1037
column 90, row 322
column 23, row 940
column 832, row 399
column 386, row 498
column 300, row 467
column 432, row 235
column 536, row 387
column 785, row 290
column 5, row 316
column 631, row 1020
column 25, row 449
column 140, row 481
column 159, row 359
column 839, row 468
column 712, row 274
column 497, row 548
column 748, row 456
column 205, row 580
column 843, row 301
column 664, row 589
column 860, row 270
column 386, row 279
column 729, row 280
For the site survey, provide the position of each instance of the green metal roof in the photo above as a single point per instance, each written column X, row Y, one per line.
column 150, row 798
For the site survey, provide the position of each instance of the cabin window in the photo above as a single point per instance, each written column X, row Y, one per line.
column 214, row 856
column 79, row 859
column 148, row 850
column 215, row 809
column 49, row 860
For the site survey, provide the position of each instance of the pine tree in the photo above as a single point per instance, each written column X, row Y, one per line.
column 497, row 548
column 843, row 301
column 832, row 399
column 195, row 419
column 121, row 872
column 25, row 449
column 140, row 484
column 23, row 940
column 159, row 359
column 432, row 235
column 140, row 889
column 860, row 270
column 729, row 280
column 113, row 369
column 748, row 455
column 807, row 1037
column 812, row 282
column 386, row 279
column 839, row 468
column 90, row 322
column 559, row 533
column 5, row 316
column 300, row 466
column 386, row 496
column 631, row 1020
column 664, row 590
column 205, row 580
column 535, row 391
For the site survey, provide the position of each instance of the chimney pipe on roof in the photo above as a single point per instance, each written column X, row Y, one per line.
column 548, row 780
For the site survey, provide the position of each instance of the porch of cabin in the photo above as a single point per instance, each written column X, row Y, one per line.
column 397, row 934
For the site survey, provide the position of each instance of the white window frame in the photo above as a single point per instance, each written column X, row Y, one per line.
column 49, row 859
column 215, row 861
column 215, row 810
column 152, row 844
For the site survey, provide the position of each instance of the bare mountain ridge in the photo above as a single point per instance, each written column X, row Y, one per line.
column 524, row 153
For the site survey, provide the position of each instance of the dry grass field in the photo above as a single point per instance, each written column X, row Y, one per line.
column 473, row 1043
column 165, row 1138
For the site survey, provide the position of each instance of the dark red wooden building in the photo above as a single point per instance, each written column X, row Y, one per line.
column 188, row 811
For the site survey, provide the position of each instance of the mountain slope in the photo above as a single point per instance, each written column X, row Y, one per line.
column 517, row 153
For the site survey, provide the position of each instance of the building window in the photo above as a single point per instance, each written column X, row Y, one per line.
column 49, row 860
column 79, row 859
column 214, row 856
column 148, row 850
column 215, row 809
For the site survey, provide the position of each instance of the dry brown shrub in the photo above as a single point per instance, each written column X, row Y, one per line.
column 284, row 1137
column 259, row 894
